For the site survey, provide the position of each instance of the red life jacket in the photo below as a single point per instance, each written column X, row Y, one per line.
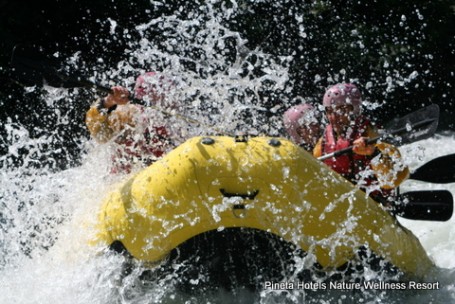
column 350, row 164
column 144, row 148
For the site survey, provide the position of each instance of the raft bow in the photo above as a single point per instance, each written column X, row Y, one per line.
column 264, row 183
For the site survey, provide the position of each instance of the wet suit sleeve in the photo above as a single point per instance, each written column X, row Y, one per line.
column 98, row 124
column 389, row 167
column 388, row 164
column 317, row 150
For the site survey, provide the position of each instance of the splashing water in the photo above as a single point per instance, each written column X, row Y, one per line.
column 45, row 213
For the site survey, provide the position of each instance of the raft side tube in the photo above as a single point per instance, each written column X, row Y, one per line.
column 297, row 198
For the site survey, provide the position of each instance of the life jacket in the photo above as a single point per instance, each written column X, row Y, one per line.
column 137, row 138
column 145, row 150
column 350, row 164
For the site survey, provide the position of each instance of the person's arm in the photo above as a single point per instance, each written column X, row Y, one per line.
column 360, row 145
column 389, row 166
column 97, row 117
column 317, row 150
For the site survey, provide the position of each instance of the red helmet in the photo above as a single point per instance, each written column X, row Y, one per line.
column 297, row 116
column 341, row 94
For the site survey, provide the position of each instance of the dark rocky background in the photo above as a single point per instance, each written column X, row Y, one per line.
column 367, row 40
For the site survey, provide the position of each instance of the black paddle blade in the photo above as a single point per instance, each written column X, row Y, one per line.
column 440, row 170
column 33, row 67
column 418, row 125
column 413, row 127
column 432, row 205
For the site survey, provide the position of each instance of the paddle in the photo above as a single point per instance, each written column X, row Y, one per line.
column 35, row 69
column 432, row 205
column 440, row 170
column 413, row 127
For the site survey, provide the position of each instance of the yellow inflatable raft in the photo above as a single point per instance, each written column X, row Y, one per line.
column 263, row 183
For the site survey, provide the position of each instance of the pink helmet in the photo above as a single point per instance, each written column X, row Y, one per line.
column 152, row 85
column 303, row 114
column 341, row 94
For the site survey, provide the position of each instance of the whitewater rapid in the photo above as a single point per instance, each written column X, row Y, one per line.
column 438, row 238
